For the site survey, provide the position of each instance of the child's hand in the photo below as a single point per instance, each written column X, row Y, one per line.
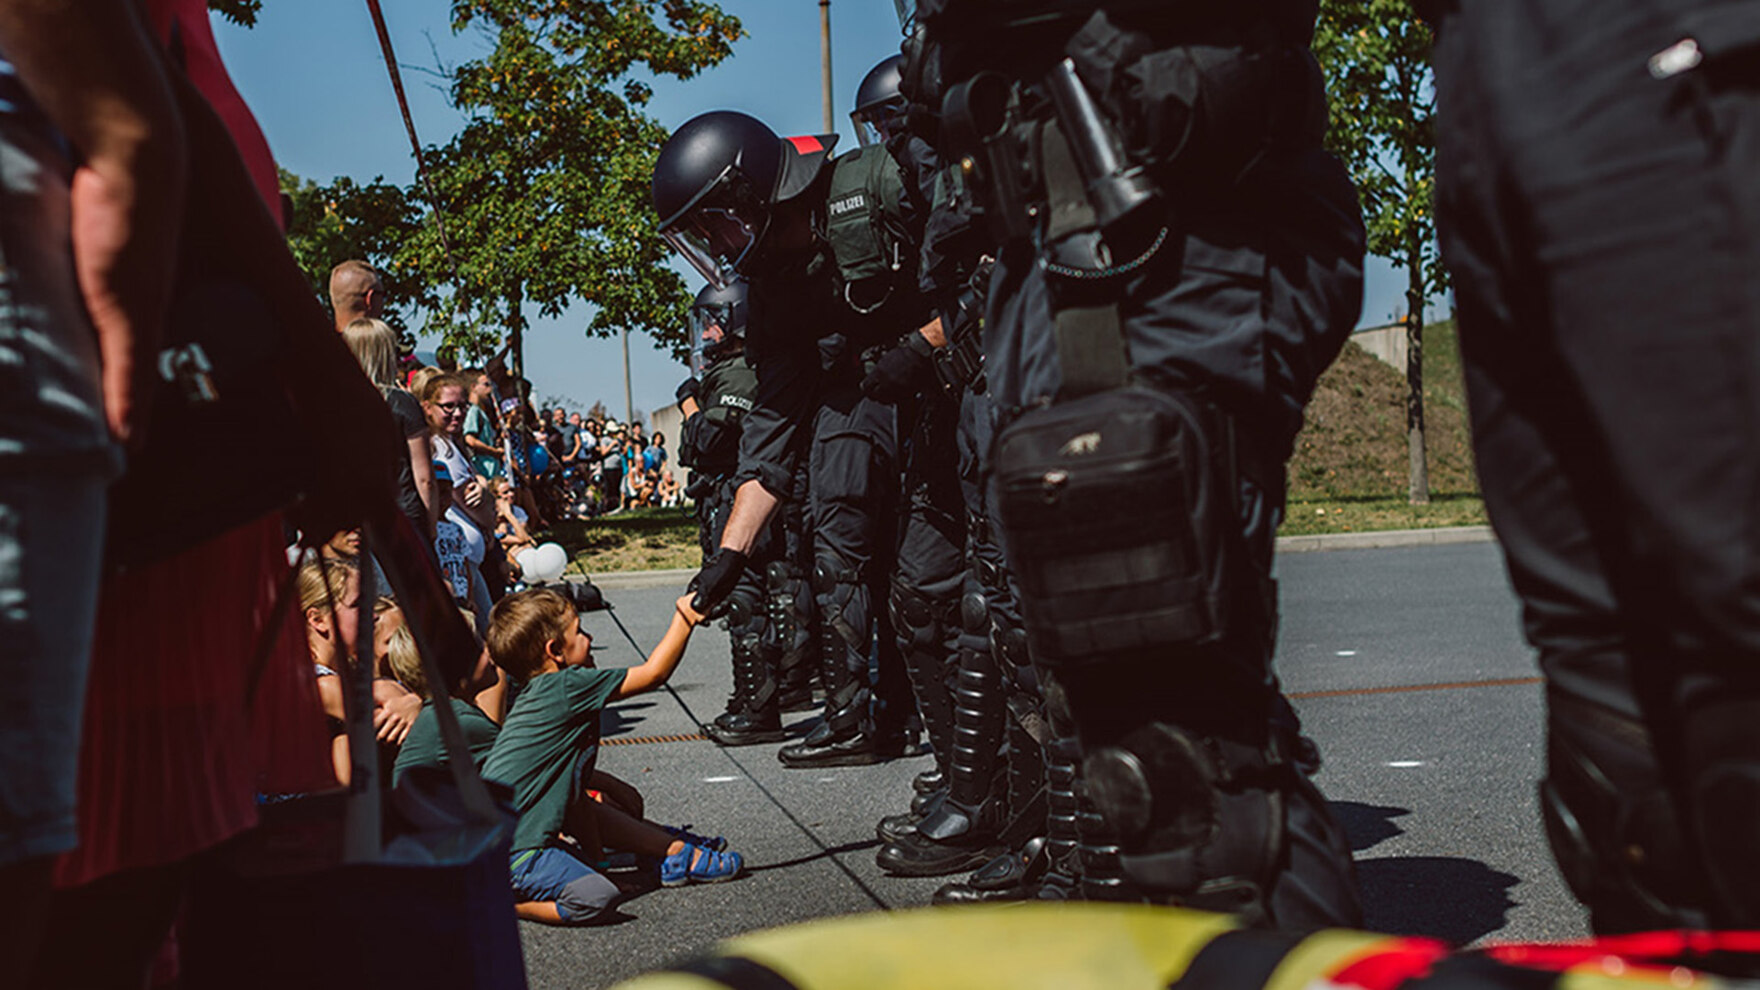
column 691, row 615
column 394, row 718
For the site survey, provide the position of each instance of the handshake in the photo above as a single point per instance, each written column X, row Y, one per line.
column 716, row 581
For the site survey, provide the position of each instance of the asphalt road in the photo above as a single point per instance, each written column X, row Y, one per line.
column 1406, row 665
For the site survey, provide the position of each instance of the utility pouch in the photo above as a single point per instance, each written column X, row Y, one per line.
column 864, row 226
column 1118, row 508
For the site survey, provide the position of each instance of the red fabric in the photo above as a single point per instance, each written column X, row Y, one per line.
column 170, row 760
column 807, row 144
column 208, row 73
column 1664, row 948
column 1391, row 964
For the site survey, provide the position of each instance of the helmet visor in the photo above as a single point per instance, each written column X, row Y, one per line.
column 877, row 124
column 711, row 332
column 717, row 231
column 907, row 14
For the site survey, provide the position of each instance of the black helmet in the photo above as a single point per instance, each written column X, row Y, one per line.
column 718, row 324
column 717, row 179
column 880, row 106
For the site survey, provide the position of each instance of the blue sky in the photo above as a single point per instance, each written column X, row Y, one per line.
column 311, row 71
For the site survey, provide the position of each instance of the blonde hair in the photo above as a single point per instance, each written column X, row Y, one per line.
column 375, row 347
column 406, row 661
column 419, row 379
column 431, row 387
column 523, row 624
column 322, row 583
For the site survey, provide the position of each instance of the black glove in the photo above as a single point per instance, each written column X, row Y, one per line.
column 901, row 372
column 716, row 581
column 688, row 389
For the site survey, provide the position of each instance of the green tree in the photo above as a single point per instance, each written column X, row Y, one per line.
column 373, row 222
column 237, row 11
column 544, row 191
column 1376, row 56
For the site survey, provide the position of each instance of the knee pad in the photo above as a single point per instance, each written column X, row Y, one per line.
column 829, row 571
column 745, row 615
column 1612, row 824
column 1200, row 821
column 915, row 619
column 780, row 575
column 974, row 614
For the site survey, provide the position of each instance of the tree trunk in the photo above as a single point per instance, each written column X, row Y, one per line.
column 1420, row 466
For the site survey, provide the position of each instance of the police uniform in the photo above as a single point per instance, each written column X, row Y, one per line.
column 809, row 412
column 1230, row 281
column 1597, row 199
column 710, row 448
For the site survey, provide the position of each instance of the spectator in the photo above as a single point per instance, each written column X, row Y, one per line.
column 611, row 467
column 654, row 456
column 668, row 489
column 83, row 98
column 551, row 739
column 375, row 346
column 356, row 293
column 481, row 438
column 424, row 747
column 329, row 595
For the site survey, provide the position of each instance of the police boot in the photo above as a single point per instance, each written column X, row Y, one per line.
column 963, row 832
column 758, row 719
column 844, row 737
column 894, row 828
column 1012, row 876
column 789, row 635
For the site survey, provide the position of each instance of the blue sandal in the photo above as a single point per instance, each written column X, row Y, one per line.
column 684, row 834
column 695, row 864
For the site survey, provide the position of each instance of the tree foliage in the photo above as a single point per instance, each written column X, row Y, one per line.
column 1376, row 56
column 544, row 190
column 243, row 12
column 373, row 222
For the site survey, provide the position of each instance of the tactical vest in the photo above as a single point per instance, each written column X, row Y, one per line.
column 725, row 397
column 865, row 228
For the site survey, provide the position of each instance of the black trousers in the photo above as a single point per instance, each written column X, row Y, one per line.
column 1600, row 223
column 1250, row 299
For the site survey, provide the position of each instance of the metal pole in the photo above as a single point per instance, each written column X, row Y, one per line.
column 629, row 406
column 825, row 64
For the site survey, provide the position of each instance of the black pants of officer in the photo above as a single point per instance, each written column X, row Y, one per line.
column 853, row 466
column 1251, row 297
column 1601, row 223
column 926, row 584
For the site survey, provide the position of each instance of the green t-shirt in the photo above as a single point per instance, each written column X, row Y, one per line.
column 423, row 747
column 477, row 424
column 552, row 730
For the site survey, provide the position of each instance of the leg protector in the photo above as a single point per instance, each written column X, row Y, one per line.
column 974, row 807
column 846, row 639
column 753, row 676
column 789, row 631
column 1062, row 838
column 921, row 626
column 1612, row 824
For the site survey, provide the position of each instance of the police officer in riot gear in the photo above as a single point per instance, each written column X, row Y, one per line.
column 1179, row 258
column 1598, row 208
column 715, row 400
column 734, row 198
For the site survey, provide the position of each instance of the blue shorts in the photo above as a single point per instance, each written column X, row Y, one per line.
column 555, row 873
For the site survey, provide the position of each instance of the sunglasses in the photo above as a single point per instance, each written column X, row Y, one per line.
column 453, row 406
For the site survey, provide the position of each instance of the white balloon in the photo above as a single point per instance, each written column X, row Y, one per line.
column 542, row 564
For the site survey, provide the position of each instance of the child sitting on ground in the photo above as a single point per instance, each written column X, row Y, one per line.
column 546, row 752
column 475, row 699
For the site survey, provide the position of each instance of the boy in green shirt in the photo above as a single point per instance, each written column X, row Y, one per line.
column 546, row 750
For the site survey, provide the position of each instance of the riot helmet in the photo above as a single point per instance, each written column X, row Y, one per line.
column 717, row 181
column 907, row 14
column 717, row 325
column 880, row 106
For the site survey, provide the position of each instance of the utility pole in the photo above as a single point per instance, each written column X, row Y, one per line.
column 825, row 65
column 629, row 406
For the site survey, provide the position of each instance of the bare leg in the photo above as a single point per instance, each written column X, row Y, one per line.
column 644, row 838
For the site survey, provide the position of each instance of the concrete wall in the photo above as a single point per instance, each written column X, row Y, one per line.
column 1387, row 343
column 670, row 421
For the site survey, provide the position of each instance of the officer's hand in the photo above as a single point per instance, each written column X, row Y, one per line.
column 901, row 372
column 716, row 581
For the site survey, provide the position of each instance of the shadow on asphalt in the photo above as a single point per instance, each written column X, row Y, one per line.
column 848, row 847
column 616, row 721
column 1446, row 897
column 1367, row 825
